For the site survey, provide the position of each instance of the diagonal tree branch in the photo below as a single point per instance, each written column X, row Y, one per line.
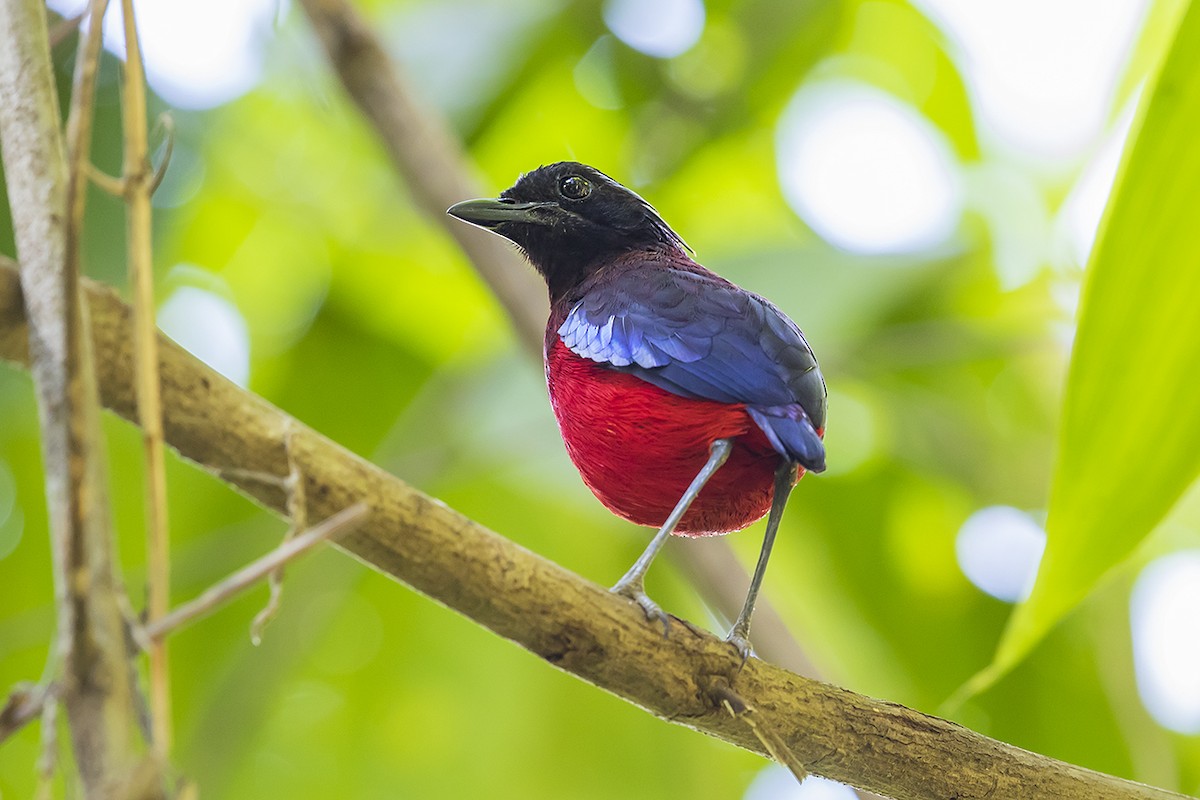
column 570, row 622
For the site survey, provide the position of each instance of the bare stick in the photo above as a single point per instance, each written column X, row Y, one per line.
column 297, row 511
column 167, row 123
column 47, row 763
column 339, row 524
column 139, row 185
column 25, row 703
column 111, row 185
column 771, row 741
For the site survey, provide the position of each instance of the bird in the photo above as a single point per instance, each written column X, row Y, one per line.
column 686, row 402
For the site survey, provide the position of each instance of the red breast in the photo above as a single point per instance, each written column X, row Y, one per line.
column 638, row 447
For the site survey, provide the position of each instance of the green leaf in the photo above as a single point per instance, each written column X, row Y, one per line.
column 1130, row 435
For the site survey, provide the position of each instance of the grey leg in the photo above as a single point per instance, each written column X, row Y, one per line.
column 739, row 634
column 631, row 585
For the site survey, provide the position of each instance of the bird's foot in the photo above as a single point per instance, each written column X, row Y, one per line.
column 739, row 637
column 634, row 591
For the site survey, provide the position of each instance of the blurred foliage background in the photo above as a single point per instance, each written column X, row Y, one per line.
column 917, row 184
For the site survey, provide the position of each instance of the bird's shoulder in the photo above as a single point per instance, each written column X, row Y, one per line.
column 653, row 309
column 684, row 329
column 665, row 313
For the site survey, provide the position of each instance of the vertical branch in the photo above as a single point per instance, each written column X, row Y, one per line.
column 99, row 689
column 297, row 514
column 138, row 181
column 36, row 176
column 47, row 202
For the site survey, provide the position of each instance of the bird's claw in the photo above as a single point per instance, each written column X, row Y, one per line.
column 741, row 642
column 650, row 608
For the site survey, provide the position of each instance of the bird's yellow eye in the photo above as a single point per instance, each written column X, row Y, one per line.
column 574, row 187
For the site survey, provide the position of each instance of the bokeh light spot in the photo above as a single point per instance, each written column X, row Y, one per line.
column 1041, row 72
column 1163, row 610
column 197, row 55
column 660, row 28
column 209, row 327
column 776, row 783
column 459, row 53
column 865, row 171
column 999, row 549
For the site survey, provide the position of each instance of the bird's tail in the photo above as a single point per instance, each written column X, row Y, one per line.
column 790, row 431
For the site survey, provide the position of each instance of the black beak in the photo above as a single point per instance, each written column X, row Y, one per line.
column 490, row 214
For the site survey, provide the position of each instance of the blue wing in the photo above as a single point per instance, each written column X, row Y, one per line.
column 699, row 336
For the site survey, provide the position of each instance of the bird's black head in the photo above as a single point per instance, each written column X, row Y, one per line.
column 570, row 219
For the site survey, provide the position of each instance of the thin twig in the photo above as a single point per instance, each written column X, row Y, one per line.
column 79, row 132
column 138, row 182
column 771, row 741
column 297, row 508
column 167, row 123
column 110, row 185
column 337, row 525
column 25, row 703
column 47, row 764
column 239, row 475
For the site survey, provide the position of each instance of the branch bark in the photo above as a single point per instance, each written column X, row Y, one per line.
column 572, row 623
